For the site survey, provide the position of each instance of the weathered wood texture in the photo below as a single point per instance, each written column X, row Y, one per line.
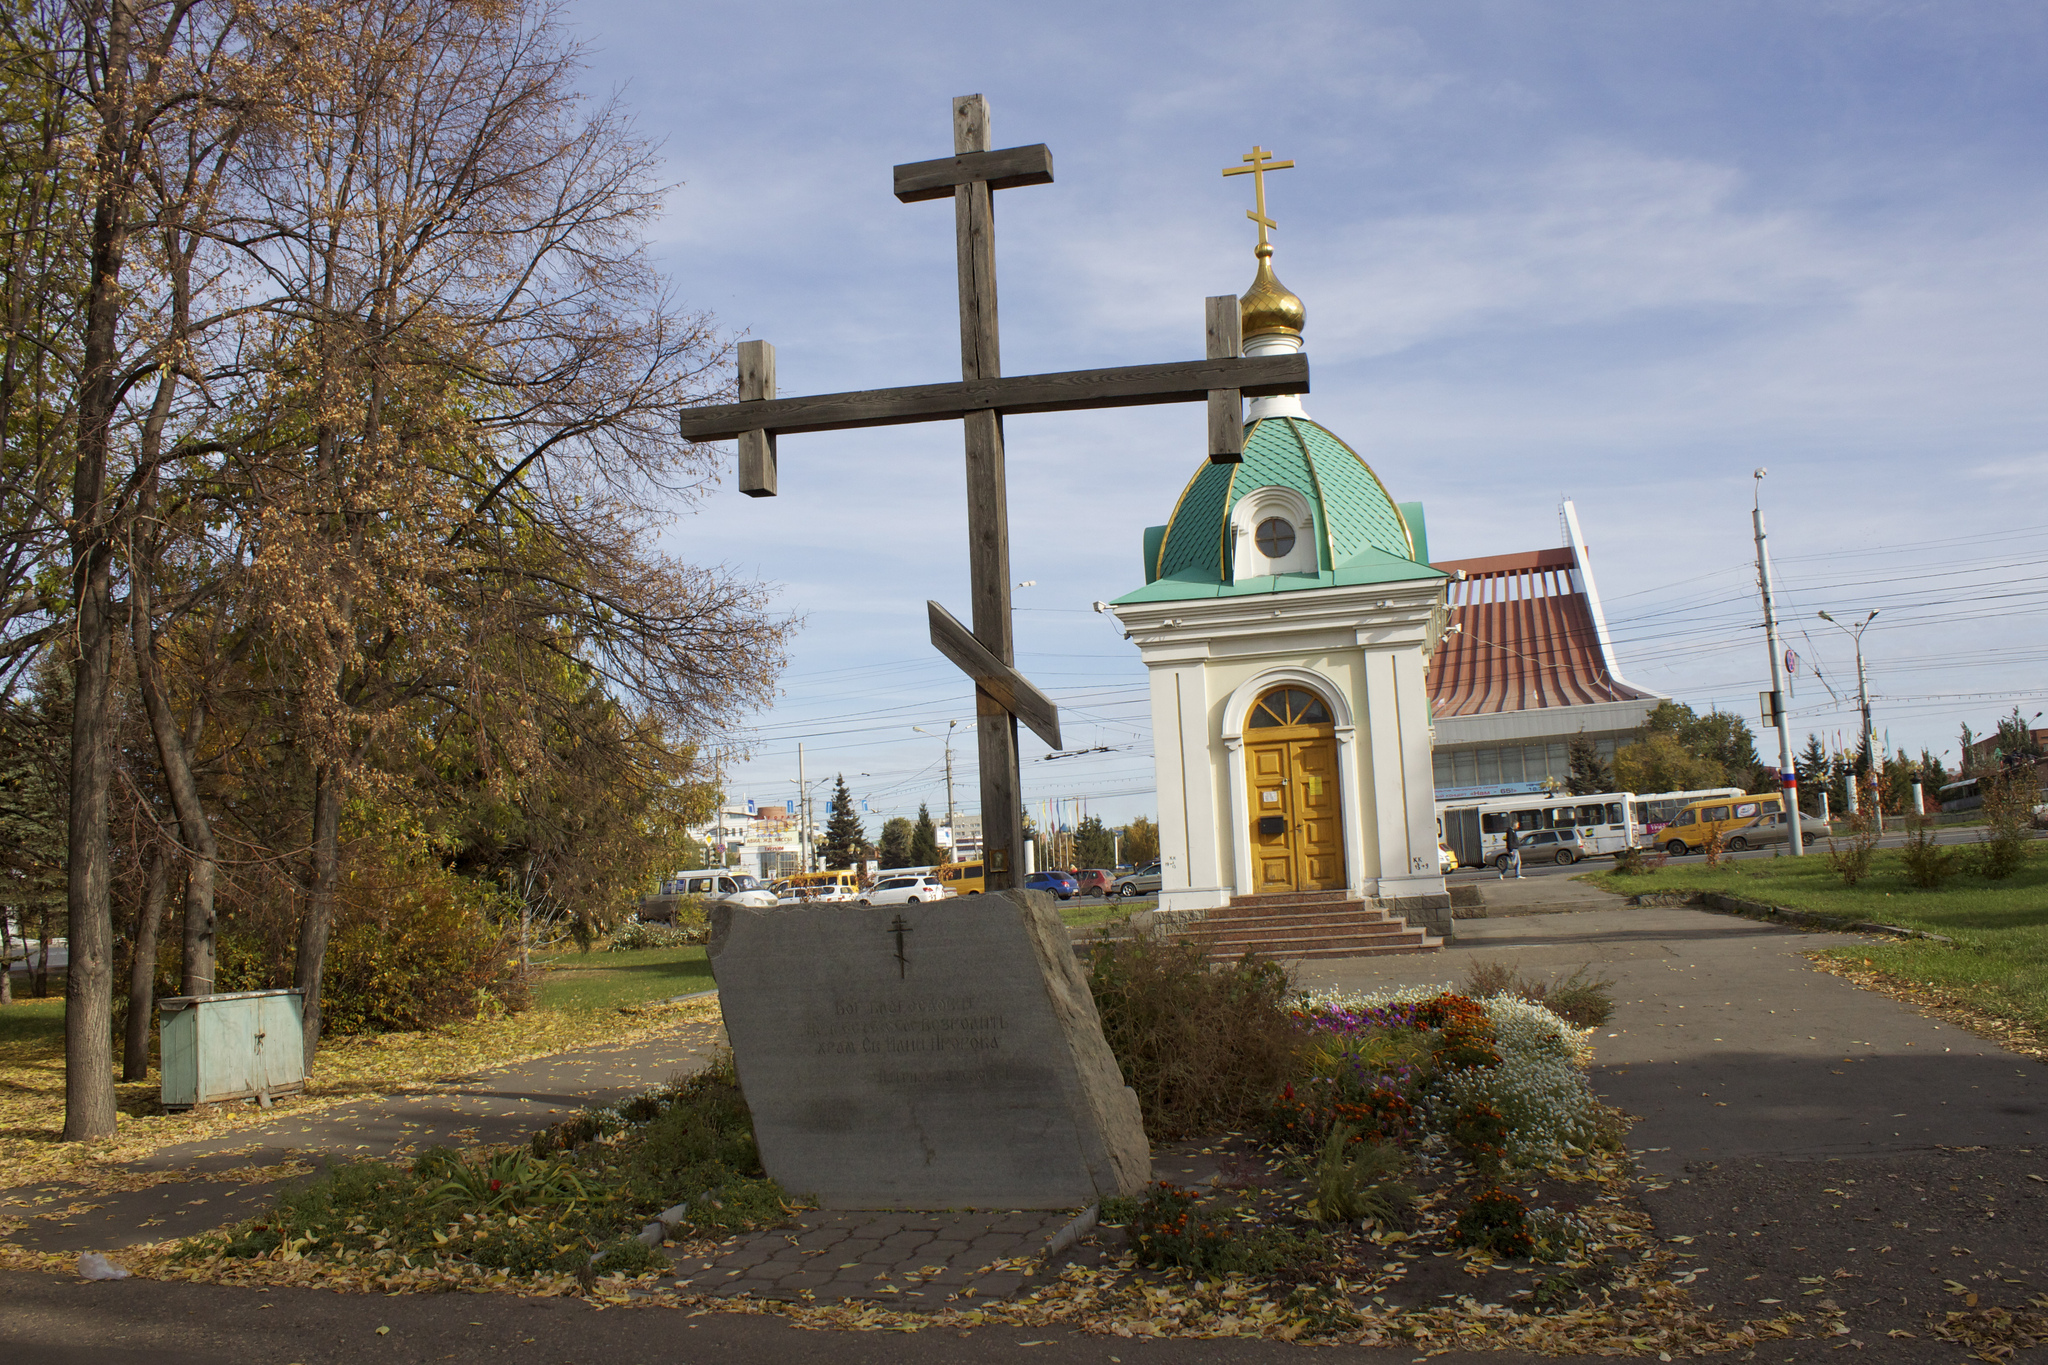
column 1180, row 381
column 988, row 505
column 1225, row 325
column 1011, row 168
column 757, row 445
column 1009, row 688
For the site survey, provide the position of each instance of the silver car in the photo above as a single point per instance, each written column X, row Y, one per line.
column 1563, row 846
column 1146, row 881
column 1770, row 829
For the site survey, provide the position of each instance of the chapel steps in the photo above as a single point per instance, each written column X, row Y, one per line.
column 1304, row 925
column 1307, row 924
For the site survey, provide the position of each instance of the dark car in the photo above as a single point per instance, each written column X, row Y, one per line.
column 1095, row 881
column 1061, row 884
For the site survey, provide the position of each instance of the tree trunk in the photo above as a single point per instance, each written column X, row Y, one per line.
column 88, row 977
column 6, row 960
column 174, row 750
column 319, row 920
column 88, row 1056
column 142, row 965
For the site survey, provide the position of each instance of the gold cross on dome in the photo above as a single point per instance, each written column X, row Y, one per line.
column 1261, row 161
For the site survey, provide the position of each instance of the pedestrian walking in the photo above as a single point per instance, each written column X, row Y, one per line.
column 1513, row 858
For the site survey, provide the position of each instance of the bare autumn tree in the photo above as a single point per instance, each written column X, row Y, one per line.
column 468, row 427
column 135, row 83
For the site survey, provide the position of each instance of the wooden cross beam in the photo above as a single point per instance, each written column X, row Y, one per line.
column 1002, row 695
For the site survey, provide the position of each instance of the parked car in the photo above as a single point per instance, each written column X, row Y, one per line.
column 1144, row 882
column 1766, row 830
column 1697, row 823
column 1562, row 846
column 1061, row 884
column 1446, row 861
column 715, row 888
column 1095, row 881
column 908, row 890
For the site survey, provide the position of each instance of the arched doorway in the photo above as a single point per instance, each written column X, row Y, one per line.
column 1296, row 835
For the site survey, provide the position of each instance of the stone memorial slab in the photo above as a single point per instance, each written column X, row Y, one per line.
column 934, row 1056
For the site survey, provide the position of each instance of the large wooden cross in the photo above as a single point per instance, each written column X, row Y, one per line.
column 981, row 399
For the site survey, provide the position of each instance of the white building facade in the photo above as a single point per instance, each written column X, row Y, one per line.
column 1287, row 619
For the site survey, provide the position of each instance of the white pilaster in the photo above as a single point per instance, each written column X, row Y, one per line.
column 1383, row 734
column 1354, row 810
column 1240, row 817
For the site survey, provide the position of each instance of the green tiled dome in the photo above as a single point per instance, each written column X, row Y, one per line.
column 1361, row 535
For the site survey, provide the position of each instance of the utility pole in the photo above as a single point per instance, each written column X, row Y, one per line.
column 1788, row 776
column 803, row 814
column 1863, row 701
column 952, row 833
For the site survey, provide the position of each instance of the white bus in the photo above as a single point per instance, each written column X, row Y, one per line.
column 1653, row 812
column 1477, row 832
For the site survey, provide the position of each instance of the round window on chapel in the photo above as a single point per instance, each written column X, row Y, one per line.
column 1275, row 537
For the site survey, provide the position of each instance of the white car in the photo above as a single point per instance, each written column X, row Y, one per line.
column 734, row 888
column 905, row 891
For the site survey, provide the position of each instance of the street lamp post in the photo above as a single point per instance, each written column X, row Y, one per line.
column 1863, row 701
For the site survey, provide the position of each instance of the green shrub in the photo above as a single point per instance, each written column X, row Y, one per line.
column 633, row 936
column 1495, row 1221
column 1927, row 863
column 630, row 1256
column 1169, row 1229
column 1205, row 1047
column 2008, row 808
column 1631, row 862
column 1851, row 860
column 412, row 949
column 1356, row 1180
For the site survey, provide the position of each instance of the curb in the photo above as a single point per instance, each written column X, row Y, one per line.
column 1072, row 1232
column 1807, row 919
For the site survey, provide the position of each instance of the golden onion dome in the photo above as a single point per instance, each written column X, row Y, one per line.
column 1269, row 308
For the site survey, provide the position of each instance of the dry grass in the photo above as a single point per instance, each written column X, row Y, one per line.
column 1580, row 999
column 32, row 1086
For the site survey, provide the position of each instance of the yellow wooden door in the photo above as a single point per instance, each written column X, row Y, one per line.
column 1272, row 831
column 1318, row 836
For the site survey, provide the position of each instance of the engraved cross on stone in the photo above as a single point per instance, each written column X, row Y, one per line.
column 981, row 399
column 899, row 928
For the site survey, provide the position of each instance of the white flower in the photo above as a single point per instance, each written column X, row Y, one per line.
column 1540, row 1086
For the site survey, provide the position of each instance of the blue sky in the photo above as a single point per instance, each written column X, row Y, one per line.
column 1621, row 252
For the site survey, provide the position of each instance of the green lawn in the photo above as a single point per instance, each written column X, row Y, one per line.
column 607, row 981
column 32, row 1022
column 1091, row 912
column 1998, row 961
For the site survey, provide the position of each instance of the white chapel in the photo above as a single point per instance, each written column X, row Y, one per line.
column 1287, row 616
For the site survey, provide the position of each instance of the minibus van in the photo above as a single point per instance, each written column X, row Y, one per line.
column 1698, row 822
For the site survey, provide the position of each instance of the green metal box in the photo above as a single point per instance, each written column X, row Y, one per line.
column 230, row 1047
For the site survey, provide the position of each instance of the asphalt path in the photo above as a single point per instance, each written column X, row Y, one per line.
column 1811, row 1145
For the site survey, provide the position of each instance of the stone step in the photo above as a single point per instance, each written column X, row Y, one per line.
column 1237, row 943
column 1426, row 945
column 1383, row 945
column 1290, row 898
column 1342, row 914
